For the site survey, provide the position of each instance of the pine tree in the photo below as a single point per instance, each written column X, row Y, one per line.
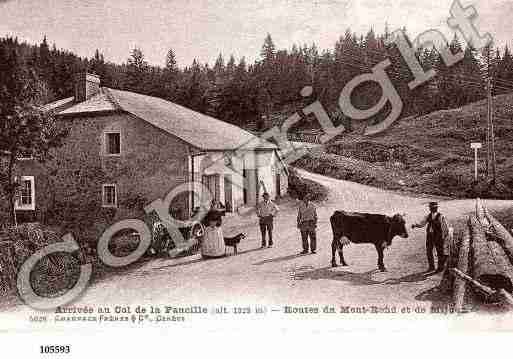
column 219, row 66
column 450, row 89
column 230, row 66
column 268, row 51
column 171, row 64
column 504, row 72
column 137, row 71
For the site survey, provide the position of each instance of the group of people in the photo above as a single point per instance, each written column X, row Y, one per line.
column 306, row 222
column 437, row 230
column 213, row 241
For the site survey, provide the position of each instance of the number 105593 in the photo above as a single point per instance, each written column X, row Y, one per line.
column 55, row 349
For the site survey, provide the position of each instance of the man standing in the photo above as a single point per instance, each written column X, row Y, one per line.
column 437, row 233
column 266, row 210
column 307, row 224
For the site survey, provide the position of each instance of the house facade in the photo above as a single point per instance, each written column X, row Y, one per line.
column 125, row 150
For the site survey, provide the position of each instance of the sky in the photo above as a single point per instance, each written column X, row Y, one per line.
column 201, row 29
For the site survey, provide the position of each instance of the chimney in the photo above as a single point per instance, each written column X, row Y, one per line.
column 86, row 86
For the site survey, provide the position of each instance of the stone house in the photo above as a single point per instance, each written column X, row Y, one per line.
column 125, row 148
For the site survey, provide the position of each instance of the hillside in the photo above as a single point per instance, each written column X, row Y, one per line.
column 427, row 154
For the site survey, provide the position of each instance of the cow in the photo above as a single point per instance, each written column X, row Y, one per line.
column 354, row 227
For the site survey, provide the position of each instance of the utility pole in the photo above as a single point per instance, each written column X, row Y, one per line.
column 488, row 157
column 491, row 136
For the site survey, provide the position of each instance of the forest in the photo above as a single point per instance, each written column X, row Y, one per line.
column 258, row 94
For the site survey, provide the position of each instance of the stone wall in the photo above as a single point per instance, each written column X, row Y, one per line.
column 151, row 164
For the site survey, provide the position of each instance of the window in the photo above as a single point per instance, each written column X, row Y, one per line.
column 26, row 195
column 113, row 143
column 109, row 195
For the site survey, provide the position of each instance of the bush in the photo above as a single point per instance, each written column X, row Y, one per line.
column 52, row 275
column 299, row 186
column 484, row 189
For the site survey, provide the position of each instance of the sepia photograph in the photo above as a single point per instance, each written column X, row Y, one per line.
column 314, row 166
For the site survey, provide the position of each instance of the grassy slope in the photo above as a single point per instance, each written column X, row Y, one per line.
column 428, row 154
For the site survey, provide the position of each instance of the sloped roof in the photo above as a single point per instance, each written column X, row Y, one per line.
column 202, row 131
column 59, row 104
column 97, row 103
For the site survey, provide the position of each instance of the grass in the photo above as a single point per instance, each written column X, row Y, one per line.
column 430, row 154
column 299, row 186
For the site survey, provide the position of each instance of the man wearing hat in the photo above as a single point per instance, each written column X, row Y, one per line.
column 307, row 224
column 437, row 233
column 266, row 211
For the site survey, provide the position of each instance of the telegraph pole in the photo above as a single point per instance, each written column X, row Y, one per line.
column 488, row 162
column 491, row 136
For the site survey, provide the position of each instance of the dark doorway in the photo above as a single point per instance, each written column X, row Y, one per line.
column 245, row 185
column 278, row 186
column 228, row 199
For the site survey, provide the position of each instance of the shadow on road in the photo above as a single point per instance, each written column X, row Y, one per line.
column 197, row 260
column 436, row 296
column 410, row 278
column 328, row 273
column 278, row 259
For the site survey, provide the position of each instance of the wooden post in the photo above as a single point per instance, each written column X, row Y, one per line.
column 488, row 147
column 475, row 146
column 492, row 132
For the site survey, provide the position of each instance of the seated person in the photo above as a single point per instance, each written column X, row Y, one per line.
column 213, row 215
column 213, row 245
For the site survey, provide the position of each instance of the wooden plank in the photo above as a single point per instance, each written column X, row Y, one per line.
column 480, row 213
column 506, row 297
column 460, row 285
column 479, row 286
column 501, row 235
column 447, row 282
column 490, row 265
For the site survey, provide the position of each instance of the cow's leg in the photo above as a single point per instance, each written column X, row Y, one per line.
column 381, row 265
column 341, row 254
column 334, row 247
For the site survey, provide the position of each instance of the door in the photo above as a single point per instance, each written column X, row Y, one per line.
column 278, row 186
column 245, row 185
column 228, row 200
column 211, row 182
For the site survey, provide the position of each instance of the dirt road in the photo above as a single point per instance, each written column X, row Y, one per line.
column 278, row 276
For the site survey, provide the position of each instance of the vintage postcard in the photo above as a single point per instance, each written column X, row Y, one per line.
column 326, row 166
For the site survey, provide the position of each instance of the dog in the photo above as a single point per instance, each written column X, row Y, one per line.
column 234, row 241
